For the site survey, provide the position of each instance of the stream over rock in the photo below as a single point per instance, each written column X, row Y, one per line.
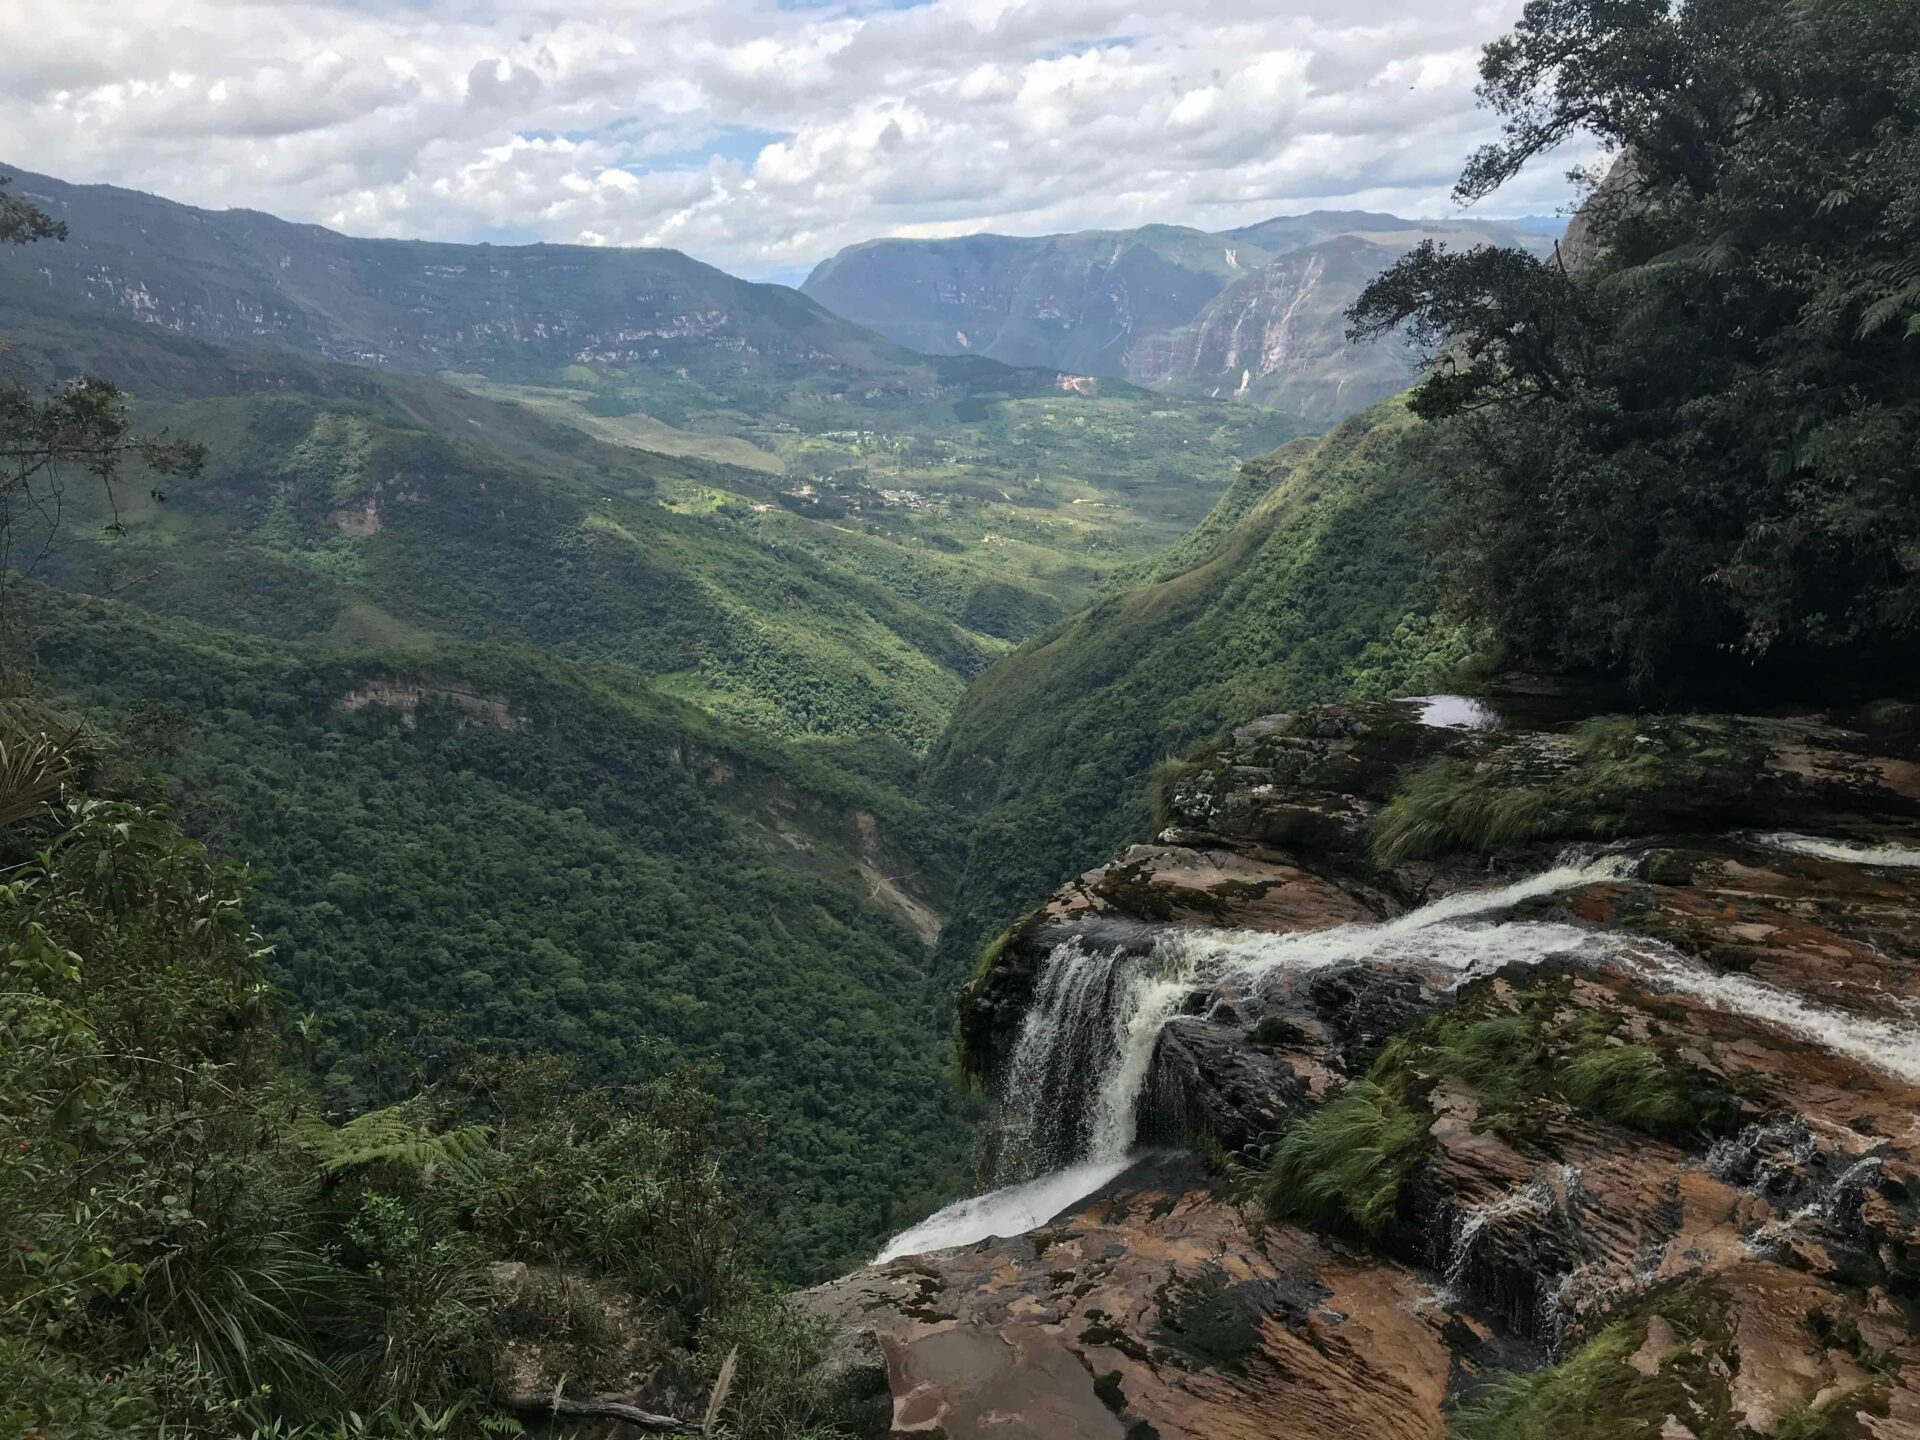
column 1659, row 1050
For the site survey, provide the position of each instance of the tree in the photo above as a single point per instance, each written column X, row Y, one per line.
column 82, row 425
column 1698, row 444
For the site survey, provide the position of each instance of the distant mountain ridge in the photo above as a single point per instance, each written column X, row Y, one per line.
column 241, row 277
column 1252, row 313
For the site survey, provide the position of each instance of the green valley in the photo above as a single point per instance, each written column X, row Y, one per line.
column 546, row 724
column 1304, row 584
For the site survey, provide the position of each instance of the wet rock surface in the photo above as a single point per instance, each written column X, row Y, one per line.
column 1740, row 1256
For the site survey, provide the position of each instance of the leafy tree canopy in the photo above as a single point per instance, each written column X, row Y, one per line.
column 1696, row 432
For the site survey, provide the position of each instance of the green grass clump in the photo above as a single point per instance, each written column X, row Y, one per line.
column 1526, row 1052
column 1453, row 804
column 1526, row 1055
column 1633, row 1084
column 1594, row 1394
column 1806, row 1421
column 1459, row 804
column 1347, row 1161
column 1546, row 1402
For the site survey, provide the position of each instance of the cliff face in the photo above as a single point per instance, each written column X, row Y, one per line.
column 1252, row 314
column 1578, row 1049
column 1278, row 337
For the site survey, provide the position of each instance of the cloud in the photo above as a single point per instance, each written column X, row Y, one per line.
column 757, row 136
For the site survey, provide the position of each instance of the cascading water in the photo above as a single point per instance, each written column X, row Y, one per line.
column 1082, row 1057
column 1082, row 1054
column 1850, row 852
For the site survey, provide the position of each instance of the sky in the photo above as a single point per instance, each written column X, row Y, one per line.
column 761, row 137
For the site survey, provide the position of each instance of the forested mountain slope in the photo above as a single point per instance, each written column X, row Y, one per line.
column 997, row 497
column 245, row 278
column 342, row 503
column 1304, row 584
column 424, row 659
column 466, row 845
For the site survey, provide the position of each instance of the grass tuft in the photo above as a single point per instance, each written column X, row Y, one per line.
column 1454, row 805
column 1633, row 1084
column 1347, row 1161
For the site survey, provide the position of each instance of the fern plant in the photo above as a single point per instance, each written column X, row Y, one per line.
column 397, row 1135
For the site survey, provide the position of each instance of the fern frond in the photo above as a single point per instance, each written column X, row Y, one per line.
column 392, row 1136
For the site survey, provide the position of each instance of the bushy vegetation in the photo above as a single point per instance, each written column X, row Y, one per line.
column 1693, row 450
column 1609, row 1386
column 1527, row 1051
column 589, row 869
column 191, row 1245
column 1345, row 1163
column 1527, row 1055
column 1463, row 804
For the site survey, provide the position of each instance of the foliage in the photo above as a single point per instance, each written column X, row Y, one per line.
column 1527, row 1051
column 1604, row 1388
column 1304, row 585
column 1522, row 1053
column 190, row 1248
column 587, row 869
column 1454, row 804
column 1576, row 1391
column 1461, row 804
column 79, row 424
column 1346, row 1162
column 1693, row 449
column 1610, row 1386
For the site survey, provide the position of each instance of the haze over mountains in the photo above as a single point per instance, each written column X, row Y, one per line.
column 1252, row 313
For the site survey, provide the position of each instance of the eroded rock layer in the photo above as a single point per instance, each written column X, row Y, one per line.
column 1618, row 1017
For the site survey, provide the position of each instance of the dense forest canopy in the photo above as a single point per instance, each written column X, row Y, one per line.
column 193, row 1241
column 1697, row 436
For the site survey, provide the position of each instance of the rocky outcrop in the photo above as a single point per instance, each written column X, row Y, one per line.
column 407, row 694
column 1632, row 1000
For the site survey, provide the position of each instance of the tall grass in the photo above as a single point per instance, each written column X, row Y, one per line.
column 1459, row 804
column 1452, row 804
column 1346, row 1162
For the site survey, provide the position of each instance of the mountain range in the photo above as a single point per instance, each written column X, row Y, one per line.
column 1255, row 313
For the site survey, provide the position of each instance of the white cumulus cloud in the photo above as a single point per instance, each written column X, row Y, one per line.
column 760, row 137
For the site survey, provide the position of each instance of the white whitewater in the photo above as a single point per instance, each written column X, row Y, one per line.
column 1085, row 1049
column 1847, row 851
column 1879, row 1043
column 1012, row 1211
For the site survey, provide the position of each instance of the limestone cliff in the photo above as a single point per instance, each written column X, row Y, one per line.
column 1553, row 1075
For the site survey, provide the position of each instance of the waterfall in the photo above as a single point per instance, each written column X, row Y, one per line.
column 1078, row 1066
column 1081, row 1057
column 1085, row 1047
